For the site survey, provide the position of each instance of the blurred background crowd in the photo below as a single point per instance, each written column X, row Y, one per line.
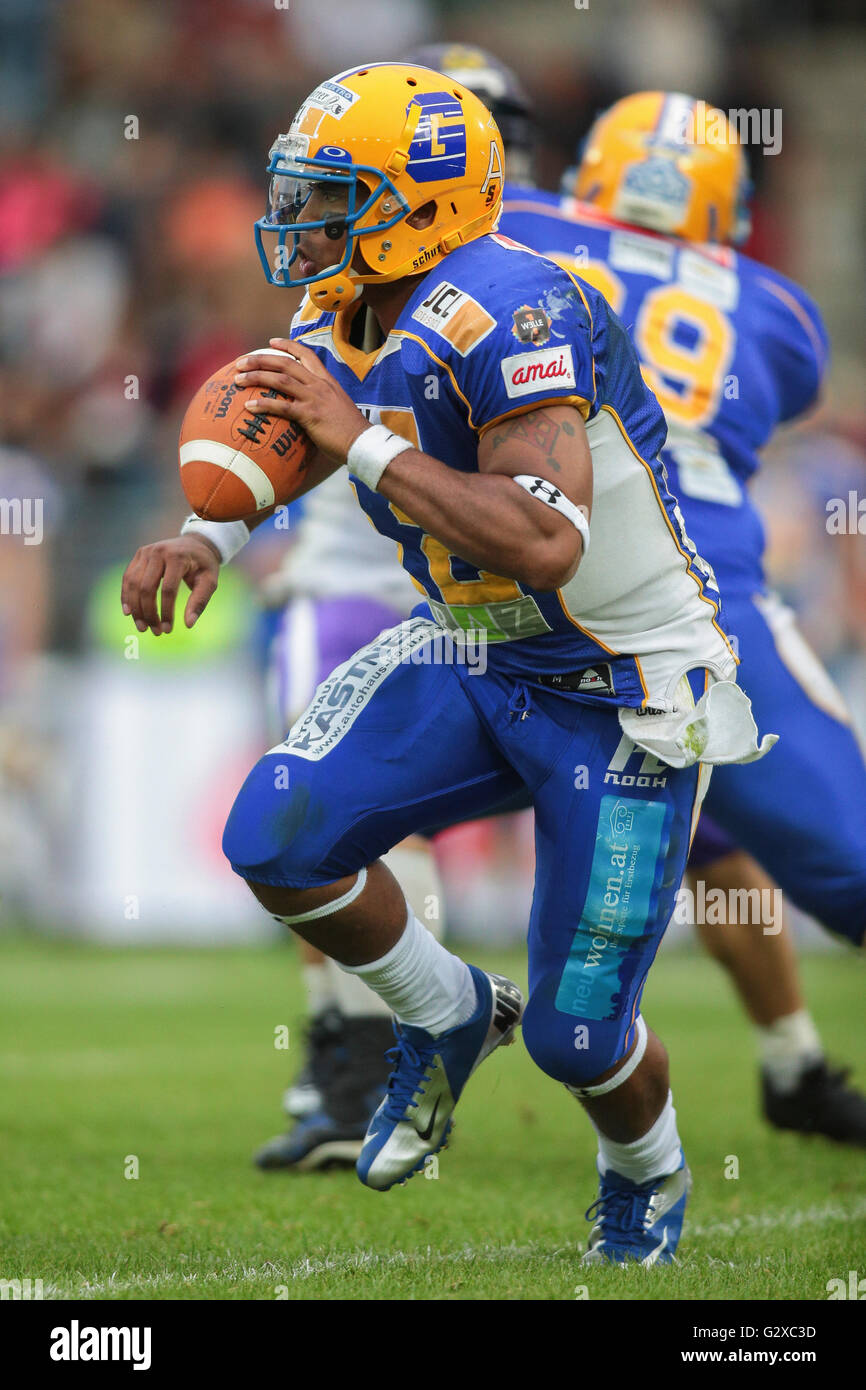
column 133, row 142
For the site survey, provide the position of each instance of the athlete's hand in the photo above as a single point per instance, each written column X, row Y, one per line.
column 189, row 558
column 317, row 402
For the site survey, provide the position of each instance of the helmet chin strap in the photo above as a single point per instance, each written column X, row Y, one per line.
column 336, row 292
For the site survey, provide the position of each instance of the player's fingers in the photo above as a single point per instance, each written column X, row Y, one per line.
column 307, row 358
column 132, row 592
column 274, row 380
column 202, row 589
column 174, row 572
column 265, row 361
column 288, row 375
column 281, row 406
column 148, row 614
column 129, row 585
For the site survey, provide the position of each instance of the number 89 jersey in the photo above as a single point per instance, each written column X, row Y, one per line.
column 730, row 347
column 491, row 333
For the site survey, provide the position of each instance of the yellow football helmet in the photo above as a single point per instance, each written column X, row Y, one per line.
column 366, row 150
column 665, row 161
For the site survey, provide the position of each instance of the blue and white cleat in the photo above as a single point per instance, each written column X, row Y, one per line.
column 414, row 1120
column 637, row 1222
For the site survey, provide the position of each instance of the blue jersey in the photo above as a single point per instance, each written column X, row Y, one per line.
column 730, row 348
column 491, row 333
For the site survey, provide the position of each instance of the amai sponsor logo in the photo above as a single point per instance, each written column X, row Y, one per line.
column 528, row 371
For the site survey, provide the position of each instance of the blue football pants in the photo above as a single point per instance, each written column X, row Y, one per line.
column 403, row 741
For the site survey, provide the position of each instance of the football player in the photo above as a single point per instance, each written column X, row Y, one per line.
column 491, row 461
column 719, row 413
column 731, row 349
column 338, row 596
column 336, row 600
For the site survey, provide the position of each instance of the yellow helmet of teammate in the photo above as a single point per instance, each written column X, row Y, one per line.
column 366, row 150
column 665, row 161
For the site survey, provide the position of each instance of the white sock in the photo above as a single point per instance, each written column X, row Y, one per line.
column 422, row 983
column 787, row 1047
column 654, row 1155
column 319, row 987
column 414, row 867
column 353, row 997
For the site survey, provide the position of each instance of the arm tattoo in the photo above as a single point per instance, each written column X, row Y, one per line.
column 538, row 431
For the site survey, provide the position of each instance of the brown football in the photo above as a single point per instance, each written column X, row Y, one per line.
column 234, row 463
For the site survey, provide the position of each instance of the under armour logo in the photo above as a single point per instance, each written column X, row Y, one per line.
column 546, row 490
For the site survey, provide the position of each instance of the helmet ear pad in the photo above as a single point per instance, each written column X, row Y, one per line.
column 423, row 217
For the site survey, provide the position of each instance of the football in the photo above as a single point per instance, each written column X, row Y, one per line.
column 234, row 463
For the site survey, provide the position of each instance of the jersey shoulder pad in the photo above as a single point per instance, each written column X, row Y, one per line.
column 788, row 323
column 512, row 328
column 447, row 316
column 529, row 196
column 482, row 290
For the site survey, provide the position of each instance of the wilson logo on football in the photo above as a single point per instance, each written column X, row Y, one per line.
column 531, row 371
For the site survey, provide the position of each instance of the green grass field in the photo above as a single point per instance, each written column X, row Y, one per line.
column 169, row 1056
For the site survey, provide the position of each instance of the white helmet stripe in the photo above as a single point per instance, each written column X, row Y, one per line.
column 676, row 120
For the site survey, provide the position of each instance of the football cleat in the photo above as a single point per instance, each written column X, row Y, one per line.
column 303, row 1097
column 348, row 1071
column 313, row 1144
column 821, row 1103
column 637, row 1222
column 414, row 1120
column 324, row 1049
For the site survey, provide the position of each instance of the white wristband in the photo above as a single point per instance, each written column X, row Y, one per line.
column 228, row 536
column 372, row 451
column 551, row 494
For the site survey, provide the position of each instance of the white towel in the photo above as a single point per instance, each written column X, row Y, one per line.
column 718, row 729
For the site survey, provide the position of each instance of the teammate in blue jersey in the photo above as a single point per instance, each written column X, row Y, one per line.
column 731, row 349
column 780, row 331
column 491, row 458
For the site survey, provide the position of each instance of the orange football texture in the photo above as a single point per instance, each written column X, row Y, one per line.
column 234, row 463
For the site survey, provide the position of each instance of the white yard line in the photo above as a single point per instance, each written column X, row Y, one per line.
column 791, row 1218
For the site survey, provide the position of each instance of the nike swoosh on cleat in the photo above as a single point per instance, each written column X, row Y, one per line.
column 653, row 1255
column 427, row 1133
